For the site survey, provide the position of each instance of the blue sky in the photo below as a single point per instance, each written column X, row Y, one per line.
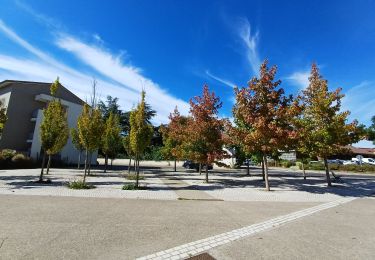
column 171, row 48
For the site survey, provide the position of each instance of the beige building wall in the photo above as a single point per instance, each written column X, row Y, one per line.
column 25, row 104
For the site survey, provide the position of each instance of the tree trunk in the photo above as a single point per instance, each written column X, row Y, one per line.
column 89, row 170
column 134, row 164
column 266, row 172
column 248, row 169
column 105, row 163
column 48, row 163
column 303, row 169
column 111, row 164
column 86, row 162
column 175, row 165
column 42, row 170
column 263, row 175
column 79, row 160
column 200, row 169
column 130, row 164
column 327, row 172
column 137, row 177
column 206, row 173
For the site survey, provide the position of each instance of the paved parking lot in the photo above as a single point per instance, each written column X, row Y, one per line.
column 233, row 215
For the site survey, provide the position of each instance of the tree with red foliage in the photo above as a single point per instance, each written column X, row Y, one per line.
column 265, row 115
column 204, row 137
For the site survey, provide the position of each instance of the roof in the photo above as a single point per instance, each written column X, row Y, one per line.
column 364, row 151
column 7, row 82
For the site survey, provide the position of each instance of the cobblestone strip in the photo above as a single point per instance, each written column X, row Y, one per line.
column 200, row 246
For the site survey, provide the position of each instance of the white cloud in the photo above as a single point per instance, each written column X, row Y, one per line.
column 299, row 78
column 130, row 81
column 251, row 44
column 359, row 100
column 221, row 80
column 128, row 76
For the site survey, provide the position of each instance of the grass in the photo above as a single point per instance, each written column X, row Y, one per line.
column 131, row 186
column 80, row 185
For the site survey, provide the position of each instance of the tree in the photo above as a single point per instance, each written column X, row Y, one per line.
column 174, row 136
column 111, row 139
column 370, row 131
column 322, row 127
column 3, row 116
column 54, row 131
column 140, row 132
column 205, row 140
column 265, row 116
column 77, row 144
column 127, row 147
column 110, row 105
column 90, row 130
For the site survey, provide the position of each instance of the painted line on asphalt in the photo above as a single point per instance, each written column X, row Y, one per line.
column 194, row 248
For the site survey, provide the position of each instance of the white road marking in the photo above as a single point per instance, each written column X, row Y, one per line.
column 194, row 248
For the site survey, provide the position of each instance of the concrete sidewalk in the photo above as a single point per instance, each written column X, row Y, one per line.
column 41, row 227
column 344, row 232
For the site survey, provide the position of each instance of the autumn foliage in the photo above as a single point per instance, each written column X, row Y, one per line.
column 264, row 115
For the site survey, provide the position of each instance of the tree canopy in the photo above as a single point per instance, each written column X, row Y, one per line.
column 322, row 126
column 264, row 114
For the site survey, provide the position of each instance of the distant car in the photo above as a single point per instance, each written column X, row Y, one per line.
column 350, row 162
column 368, row 161
column 193, row 165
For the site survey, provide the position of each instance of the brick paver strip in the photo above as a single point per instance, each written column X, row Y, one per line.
column 200, row 246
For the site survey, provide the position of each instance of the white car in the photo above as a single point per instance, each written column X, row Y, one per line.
column 368, row 161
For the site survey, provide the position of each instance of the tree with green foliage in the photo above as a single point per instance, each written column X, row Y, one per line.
column 77, row 144
column 128, row 150
column 370, row 131
column 168, row 146
column 111, row 139
column 3, row 116
column 140, row 133
column 322, row 127
column 54, row 131
column 90, row 129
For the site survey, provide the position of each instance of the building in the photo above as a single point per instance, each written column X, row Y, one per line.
column 25, row 101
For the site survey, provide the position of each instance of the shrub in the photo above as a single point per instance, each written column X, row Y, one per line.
column 357, row 168
column 129, row 186
column 80, row 185
column 286, row 164
column 154, row 153
column 318, row 166
column 20, row 161
column 8, row 154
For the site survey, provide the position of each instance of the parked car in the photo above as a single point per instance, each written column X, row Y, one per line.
column 350, row 163
column 368, row 161
column 335, row 161
column 193, row 165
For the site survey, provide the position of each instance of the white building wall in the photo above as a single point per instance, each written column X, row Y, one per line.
column 69, row 153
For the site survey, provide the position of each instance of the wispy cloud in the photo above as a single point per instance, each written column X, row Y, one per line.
column 111, row 66
column 221, row 80
column 45, row 68
column 41, row 18
column 299, row 79
column 250, row 41
column 359, row 100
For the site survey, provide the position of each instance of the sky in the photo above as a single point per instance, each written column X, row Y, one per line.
column 171, row 48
